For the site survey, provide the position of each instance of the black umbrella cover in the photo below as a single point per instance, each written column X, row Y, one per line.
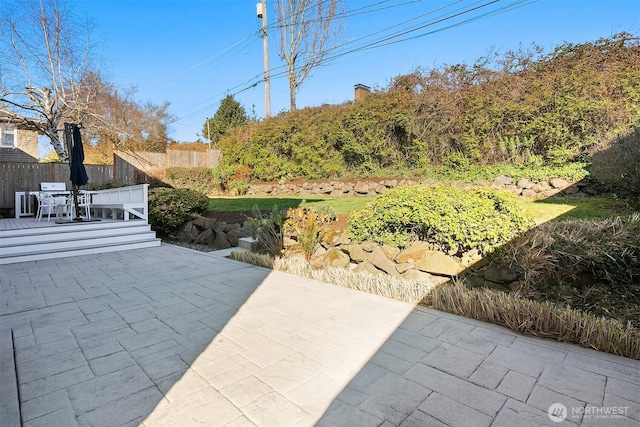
column 79, row 175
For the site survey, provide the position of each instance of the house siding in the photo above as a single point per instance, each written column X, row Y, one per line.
column 28, row 142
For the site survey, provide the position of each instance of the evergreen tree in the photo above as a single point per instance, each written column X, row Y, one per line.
column 229, row 114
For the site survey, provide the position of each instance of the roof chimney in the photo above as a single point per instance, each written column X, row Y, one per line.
column 361, row 92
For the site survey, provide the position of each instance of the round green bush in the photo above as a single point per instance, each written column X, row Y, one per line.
column 171, row 208
column 455, row 219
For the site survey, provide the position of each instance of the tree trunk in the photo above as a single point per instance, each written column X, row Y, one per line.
column 58, row 145
column 292, row 87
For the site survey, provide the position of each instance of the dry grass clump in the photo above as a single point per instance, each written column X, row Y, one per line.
column 411, row 291
column 540, row 319
column 607, row 249
column 525, row 316
column 254, row 258
column 593, row 265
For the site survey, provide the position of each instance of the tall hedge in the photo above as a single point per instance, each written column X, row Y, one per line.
column 524, row 107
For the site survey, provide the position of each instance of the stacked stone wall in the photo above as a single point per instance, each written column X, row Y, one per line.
column 373, row 187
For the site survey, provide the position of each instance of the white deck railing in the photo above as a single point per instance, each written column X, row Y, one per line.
column 131, row 200
column 113, row 202
column 25, row 204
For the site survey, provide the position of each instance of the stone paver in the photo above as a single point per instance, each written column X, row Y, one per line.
column 169, row 336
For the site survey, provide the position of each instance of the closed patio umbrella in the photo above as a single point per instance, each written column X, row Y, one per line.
column 79, row 175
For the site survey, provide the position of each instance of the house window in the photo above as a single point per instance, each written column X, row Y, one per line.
column 8, row 136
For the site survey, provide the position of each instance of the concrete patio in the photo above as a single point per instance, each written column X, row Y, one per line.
column 167, row 336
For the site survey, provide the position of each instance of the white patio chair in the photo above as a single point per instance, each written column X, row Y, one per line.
column 45, row 202
column 64, row 206
column 84, row 201
column 59, row 205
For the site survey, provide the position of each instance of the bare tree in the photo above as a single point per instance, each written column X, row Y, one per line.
column 46, row 53
column 116, row 121
column 308, row 30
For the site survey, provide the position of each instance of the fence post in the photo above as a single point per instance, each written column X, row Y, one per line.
column 115, row 162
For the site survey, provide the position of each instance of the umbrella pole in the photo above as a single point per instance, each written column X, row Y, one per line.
column 76, row 188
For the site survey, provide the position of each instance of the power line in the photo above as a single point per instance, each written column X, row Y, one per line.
column 394, row 38
column 350, row 13
column 252, row 82
column 209, row 59
column 380, row 43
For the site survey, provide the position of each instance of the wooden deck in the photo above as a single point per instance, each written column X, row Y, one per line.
column 26, row 223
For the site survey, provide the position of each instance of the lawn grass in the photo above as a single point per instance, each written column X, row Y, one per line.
column 555, row 208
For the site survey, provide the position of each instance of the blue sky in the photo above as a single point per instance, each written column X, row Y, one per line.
column 191, row 53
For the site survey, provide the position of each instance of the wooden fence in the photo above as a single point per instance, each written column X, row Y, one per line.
column 28, row 176
column 128, row 168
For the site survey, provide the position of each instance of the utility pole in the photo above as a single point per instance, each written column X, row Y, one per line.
column 262, row 13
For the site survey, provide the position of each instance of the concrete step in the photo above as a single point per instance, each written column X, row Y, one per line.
column 71, row 227
column 61, row 240
column 86, row 250
column 53, row 246
column 69, row 233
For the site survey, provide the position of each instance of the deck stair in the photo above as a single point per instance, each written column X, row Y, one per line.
column 62, row 240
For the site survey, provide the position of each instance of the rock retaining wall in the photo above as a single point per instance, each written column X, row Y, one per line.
column 420, row 260
column 372, row 187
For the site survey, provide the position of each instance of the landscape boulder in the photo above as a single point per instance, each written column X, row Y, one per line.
column 207, row 237
column 188, row 233
column 500, row 275
column 414, row 251
column 221, row 241
column 436, row 262
column 334, row 257
column 203, row 222
column 361, row 187
column 366, row 267
column 356, row 253
column 380, row 261
column 558, row 183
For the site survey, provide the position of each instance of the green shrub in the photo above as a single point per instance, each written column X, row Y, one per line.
column 197, row 179
column 169, row 209
column 455, row 219
column 521, row 107
column 238, row 187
